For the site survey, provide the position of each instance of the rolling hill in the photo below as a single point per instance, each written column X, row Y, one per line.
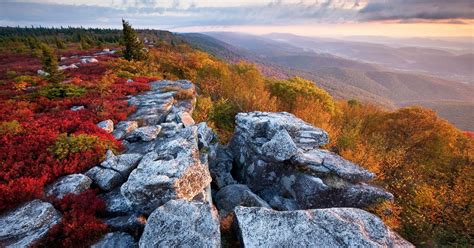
column 348, row 78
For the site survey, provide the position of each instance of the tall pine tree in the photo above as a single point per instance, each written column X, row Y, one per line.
column 134, row 49
column 50, row 64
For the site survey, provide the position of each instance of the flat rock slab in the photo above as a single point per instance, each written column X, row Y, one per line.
column 331, row 227
column 70, row 184
column 23, row 226
column 180, row 223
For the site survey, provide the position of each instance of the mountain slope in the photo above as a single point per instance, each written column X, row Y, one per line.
column 345, row 78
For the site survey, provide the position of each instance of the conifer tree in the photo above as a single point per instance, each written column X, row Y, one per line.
column 50, row 64
column 134, row 49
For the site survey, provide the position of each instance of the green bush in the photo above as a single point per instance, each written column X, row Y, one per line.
column 10, row 127
column 53, row 91
column 66, row 145
column 223, row 114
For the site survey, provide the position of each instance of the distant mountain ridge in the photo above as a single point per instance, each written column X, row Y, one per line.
column 346, row 78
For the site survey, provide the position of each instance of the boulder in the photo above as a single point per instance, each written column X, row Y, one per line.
column 180, row 223
column 107, row 125
column 235, row 195
column 26, row 224
column 106, row 179
column 115, row 203
column 77, row 108
column 42, row 73
column 114, row 170
column 88, row 60
column 147, row 133
column 123, row 164
column 116, row 240
column 123, row 128
column 331, row 227
column 70, row 184
column 278, row 156
column 173, row 170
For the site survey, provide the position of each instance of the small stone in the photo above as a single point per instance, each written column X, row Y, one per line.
column 107, row 125
column 77, row 108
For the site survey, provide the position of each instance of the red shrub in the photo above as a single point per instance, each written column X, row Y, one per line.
column 79, row 226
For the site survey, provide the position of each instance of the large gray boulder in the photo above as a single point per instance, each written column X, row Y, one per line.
column 331, row 227
column 23, row 226
column 180, row 223
column 70, row 184
column 235, row 195
column 116, row 240
column 278, row 156
column 114, row 170
column 173, row 170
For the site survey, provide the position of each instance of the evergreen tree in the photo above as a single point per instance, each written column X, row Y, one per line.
column 59, row 43
column 134, row 49
column 50, row 64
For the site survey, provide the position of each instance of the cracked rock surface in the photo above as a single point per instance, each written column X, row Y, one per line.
column 180, row 223
column 28, row 223
column 332, row 227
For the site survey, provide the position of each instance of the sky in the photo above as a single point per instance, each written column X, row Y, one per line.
column 397, row 18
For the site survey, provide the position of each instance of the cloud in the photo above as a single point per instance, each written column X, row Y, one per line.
column 171, row 14
column 402, row 10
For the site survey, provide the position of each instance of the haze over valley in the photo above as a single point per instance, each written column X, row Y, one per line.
column 389, row 74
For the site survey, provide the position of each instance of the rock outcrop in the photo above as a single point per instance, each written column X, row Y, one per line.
column 23, row 226
column 180, row 223
column 332, row 227
column 158, row 193
column 172, row 171
column 70, row 184
column 278, row 157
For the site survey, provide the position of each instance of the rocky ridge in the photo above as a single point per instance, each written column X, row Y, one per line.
column 273, row 180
